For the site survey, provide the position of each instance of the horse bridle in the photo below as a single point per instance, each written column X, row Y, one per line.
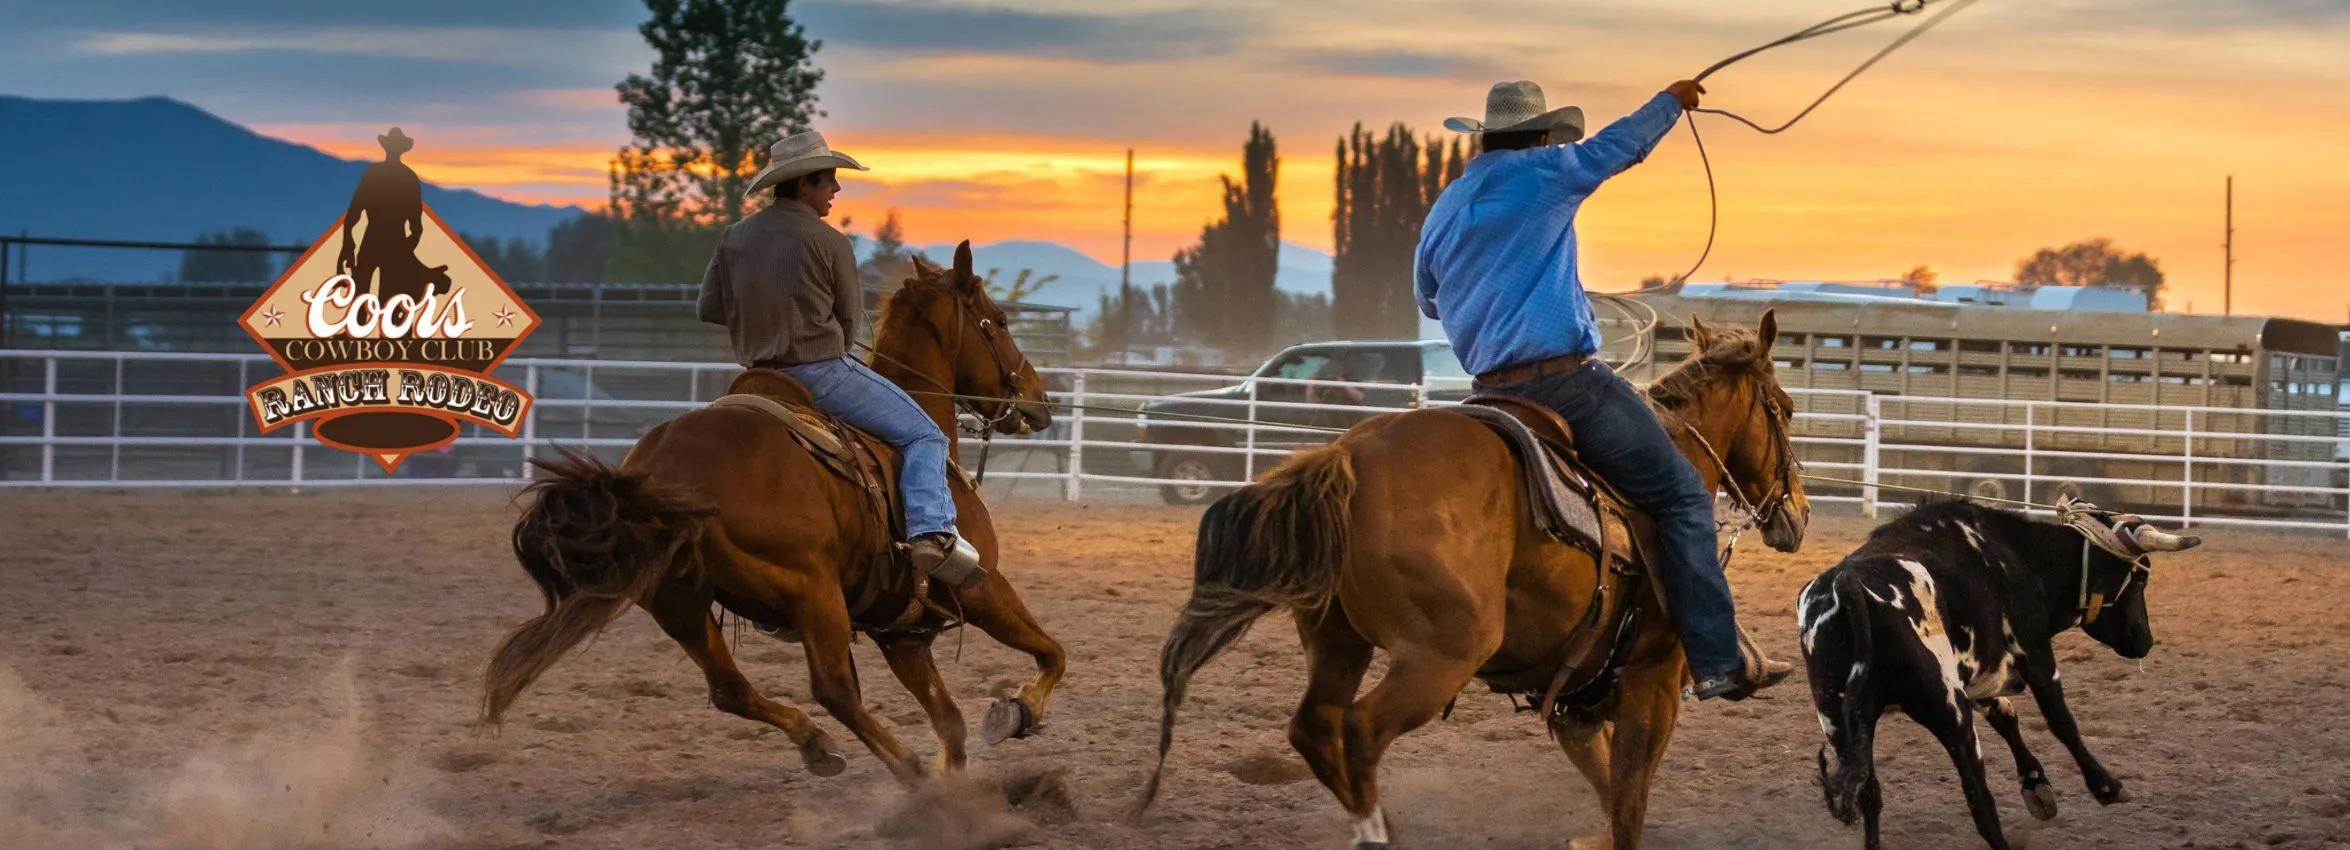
column 995, row 337
column 1782, row 491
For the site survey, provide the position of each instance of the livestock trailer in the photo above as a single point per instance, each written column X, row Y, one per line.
column 2009, row 391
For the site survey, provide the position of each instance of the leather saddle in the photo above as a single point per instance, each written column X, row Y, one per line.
column 1574, row 506
column 892, row 595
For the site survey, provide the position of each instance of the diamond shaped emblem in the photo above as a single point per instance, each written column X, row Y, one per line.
column 389, row 328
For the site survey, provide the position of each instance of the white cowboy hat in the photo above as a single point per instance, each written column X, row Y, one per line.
column 798, row 155
column 1515, row 106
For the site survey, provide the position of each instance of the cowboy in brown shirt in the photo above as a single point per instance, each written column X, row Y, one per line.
column 784, row 283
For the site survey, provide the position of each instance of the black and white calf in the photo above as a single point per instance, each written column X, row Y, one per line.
column 1953, row 606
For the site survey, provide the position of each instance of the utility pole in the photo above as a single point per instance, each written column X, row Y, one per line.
column 1126, row 254
column 2228, row 268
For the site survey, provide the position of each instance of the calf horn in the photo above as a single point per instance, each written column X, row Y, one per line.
column 2157, row 540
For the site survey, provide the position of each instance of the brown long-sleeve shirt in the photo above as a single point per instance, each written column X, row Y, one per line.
column 784, row 283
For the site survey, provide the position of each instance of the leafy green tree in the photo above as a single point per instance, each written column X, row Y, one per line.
column 1224, row 283
column 579, row 250
column 1023, row 285
column 1385, row 187
column 1922, row 278
column 729, row 78
column 200, row 265
column 890, row 262
column 2093, row 262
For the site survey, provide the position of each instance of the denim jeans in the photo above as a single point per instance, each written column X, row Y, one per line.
column 1620, row 438
column 854, row 392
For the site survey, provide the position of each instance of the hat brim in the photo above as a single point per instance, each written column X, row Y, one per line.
column 1569, row 118
column 792, row 169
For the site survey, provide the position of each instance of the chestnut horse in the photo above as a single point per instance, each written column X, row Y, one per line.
column 1409, row 533
column 721, row 505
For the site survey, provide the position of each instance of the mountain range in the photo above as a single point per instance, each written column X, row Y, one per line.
column 1083, row 279
column 162, row 170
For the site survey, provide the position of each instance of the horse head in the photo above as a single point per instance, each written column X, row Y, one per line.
column 1728, row 396
column 943, row 321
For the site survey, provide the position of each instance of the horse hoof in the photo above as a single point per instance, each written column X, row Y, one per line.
column 821, row 757
column 2041, row 799
column 1373, row 845
column 1006, row 719
column 2116, row 794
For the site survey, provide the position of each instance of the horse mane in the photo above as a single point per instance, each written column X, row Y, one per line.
column 1732, row 348
column 899, row 308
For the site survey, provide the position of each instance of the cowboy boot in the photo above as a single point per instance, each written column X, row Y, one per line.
column 945, row 557
column 1756, row 673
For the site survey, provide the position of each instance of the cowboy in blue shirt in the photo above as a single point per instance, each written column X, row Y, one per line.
column 1496, row 264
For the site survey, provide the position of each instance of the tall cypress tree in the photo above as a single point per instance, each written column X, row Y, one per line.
column 1385, row 186
column 1224, row 284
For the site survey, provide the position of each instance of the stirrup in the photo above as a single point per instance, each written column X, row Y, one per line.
column 956, row 563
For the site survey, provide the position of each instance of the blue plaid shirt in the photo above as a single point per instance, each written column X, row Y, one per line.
column 1496, row 262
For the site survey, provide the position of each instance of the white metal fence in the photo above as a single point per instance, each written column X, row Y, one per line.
column 143, row 419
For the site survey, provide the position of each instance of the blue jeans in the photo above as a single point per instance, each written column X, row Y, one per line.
column 850, row 390
column 1620, row 438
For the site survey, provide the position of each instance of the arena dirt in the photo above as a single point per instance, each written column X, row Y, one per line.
column 263, row 669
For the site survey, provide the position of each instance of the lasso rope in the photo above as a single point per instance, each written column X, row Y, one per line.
column 1840, row 23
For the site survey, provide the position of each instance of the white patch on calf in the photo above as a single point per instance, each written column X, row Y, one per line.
column 1974, row 539
column 1932, row 636
column 1810, row 623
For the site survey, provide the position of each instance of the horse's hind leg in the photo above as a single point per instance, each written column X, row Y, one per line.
column 685, row 616
column 997, row 610
column 1336, row 657
column 909, row 657
column 1586, row 744
column 1420, row 680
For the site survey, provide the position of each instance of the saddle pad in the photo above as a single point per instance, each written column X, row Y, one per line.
column 803, row 425
column 1563, row 497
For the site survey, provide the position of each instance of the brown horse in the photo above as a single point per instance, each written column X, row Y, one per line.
column 722, row 505
column 1409, row 533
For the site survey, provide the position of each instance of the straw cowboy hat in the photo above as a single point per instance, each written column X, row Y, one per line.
column 1518, row 106
column 798, row 155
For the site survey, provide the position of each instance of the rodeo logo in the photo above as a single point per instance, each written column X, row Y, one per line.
column 388, row 339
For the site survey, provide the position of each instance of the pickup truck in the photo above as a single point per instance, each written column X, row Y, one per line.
column 1169, row 444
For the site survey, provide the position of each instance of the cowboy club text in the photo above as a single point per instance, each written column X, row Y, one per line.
column 388, row 350
column 473, row 398
column 360, row 315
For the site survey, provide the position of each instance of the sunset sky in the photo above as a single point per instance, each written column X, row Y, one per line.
column 2013, row 126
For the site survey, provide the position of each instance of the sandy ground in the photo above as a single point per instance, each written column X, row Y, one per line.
column 263, row 669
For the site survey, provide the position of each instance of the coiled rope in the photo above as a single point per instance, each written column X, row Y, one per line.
column 1840, row 23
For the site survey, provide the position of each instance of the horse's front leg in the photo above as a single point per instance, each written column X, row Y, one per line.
column 996, row 609
column 1650, row 705
column 832, row 674
column 909, row 657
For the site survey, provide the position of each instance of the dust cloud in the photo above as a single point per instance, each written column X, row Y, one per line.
column 306, row 782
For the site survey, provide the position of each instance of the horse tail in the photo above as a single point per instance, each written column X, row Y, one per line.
column 1855, row 763
column 595, row 540
column 1273, row 544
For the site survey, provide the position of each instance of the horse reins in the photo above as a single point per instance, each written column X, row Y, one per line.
column 1782, row 489
column 1010, row 374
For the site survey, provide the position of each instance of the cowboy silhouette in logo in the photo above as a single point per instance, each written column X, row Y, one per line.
column 392, row 200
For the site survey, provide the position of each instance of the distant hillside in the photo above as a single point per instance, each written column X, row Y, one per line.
column 158, row 169
column 1084, row 279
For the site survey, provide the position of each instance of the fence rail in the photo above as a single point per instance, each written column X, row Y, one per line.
column 146, row 419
